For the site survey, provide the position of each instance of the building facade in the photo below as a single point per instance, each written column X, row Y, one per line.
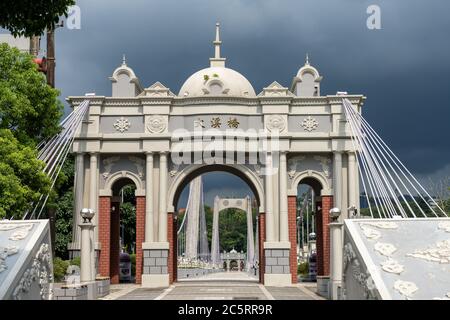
column 159, row 141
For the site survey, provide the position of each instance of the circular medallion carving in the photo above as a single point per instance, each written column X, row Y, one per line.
column 276, row 123
column 156, row 124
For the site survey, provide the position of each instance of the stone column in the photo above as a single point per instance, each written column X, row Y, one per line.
column 336, row 258
column 270, row 232
column 337, row 181
column 93, row 199
column 93, row 185
column 163, row 197
column 87, row 246
column 352, row 178
column 149, row 233
column 79, row 188
column 284, row 229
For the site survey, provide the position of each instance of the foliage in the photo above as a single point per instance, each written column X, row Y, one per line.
column 28, row 106
column 61, row 200
column 128, row 221
column 303, row 268
column 59, row 269
column 75, row 261
column 31, row 17
column 21, row 178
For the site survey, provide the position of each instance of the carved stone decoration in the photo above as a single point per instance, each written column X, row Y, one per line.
column 383, row 224
column 174, row 171
column 386, row 249
column 5, row 252
column 292, row 166
column 362, row 277
column 309, row 124
column 276, row 123
column 406, row 288
column 122, row 124
column 139, row 163
column 370, row 233
column 156, row 124
column 446, row 297
column 444, row 225
column 392, row 266
column 440, row 252
column 109, row 163
column 325, row 163
column 21, row 233
column 40, row 271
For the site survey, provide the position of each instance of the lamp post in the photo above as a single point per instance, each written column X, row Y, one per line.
column 335, row 252
column 87, row 245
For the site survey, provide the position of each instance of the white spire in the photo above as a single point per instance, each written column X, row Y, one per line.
column 124, row 60
column 217, row 61
column 307, row 60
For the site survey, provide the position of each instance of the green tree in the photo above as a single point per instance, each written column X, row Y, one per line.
column 28, row 106
column 21, row 178
column 31, row 17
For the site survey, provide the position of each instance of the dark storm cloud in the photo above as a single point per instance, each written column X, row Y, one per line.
column 403, row 69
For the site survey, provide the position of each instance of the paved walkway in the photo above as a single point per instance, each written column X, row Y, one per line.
column 218, row 286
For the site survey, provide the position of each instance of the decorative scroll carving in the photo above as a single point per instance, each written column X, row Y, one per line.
column 444, row 225
column 392, row 266
column 122, row 124
column 370, row 233
column 109, row 163
column 309, row 124
column 292, row 166
column 22, row 232
column 386, row 249
column 325, row 163
column 362, row 277
column 139, row 163
column 382, row 224
column 439, row 253
column 276, row 123
column 156, row 124
column 406, row 288
column 5, row 252
column 40, row 271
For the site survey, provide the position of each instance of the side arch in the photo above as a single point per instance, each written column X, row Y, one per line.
column 109, row 183
column 320, row 177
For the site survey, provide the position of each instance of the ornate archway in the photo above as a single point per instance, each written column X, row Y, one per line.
column 247, row 175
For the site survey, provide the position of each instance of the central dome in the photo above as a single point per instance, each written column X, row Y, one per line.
column 217, row 81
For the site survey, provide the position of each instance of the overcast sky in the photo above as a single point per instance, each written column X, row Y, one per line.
column 403, row 69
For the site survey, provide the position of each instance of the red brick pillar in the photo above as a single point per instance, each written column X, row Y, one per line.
column 115, row 243
column 327, row 204
column 262, row 238
column 171, row 259
column 104, row 235
column 140, row 234
column 292, row 221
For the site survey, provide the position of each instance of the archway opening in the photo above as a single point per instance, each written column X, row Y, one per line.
column 229, row 205
column 123, row 231
column 309, row 227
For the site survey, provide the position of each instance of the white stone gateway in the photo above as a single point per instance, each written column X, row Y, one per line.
column 26, row 262
column 410, row 259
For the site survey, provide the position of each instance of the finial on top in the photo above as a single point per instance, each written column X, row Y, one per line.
column 307, row 59
column 124, row 60
column 217, row 61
